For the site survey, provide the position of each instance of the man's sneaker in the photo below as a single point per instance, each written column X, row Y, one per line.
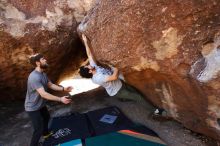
column 41, row 141
column 160, row 114
column 48, row 135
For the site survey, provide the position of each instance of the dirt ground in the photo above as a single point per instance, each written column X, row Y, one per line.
column 16, row 130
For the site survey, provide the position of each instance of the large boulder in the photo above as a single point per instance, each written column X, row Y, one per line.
column 169, row 50
column 45, row 26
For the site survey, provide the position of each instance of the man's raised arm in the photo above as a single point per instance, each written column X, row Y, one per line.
column 88, row 50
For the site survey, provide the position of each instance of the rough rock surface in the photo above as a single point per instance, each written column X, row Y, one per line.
column 168, row 49
column 27, row 27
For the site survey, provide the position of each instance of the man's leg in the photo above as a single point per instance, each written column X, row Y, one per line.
column 37, row 122
column 46, row 117
column 130, row 93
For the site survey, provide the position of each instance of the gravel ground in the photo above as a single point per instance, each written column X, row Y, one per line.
column 16, row 129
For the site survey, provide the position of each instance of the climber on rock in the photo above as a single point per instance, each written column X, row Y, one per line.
column 110, row 79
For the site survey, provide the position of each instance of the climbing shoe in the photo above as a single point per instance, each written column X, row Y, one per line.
column 161, row 115
column 159, row 112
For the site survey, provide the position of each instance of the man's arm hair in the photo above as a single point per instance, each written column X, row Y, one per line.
column 88, row 50
column 114, row 76
column 55, row 87
column 47, row 95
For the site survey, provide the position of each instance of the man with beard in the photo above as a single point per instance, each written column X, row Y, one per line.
column 37, row 87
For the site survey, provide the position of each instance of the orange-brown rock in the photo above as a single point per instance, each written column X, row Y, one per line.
column 168, row 49
column 45, row 26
